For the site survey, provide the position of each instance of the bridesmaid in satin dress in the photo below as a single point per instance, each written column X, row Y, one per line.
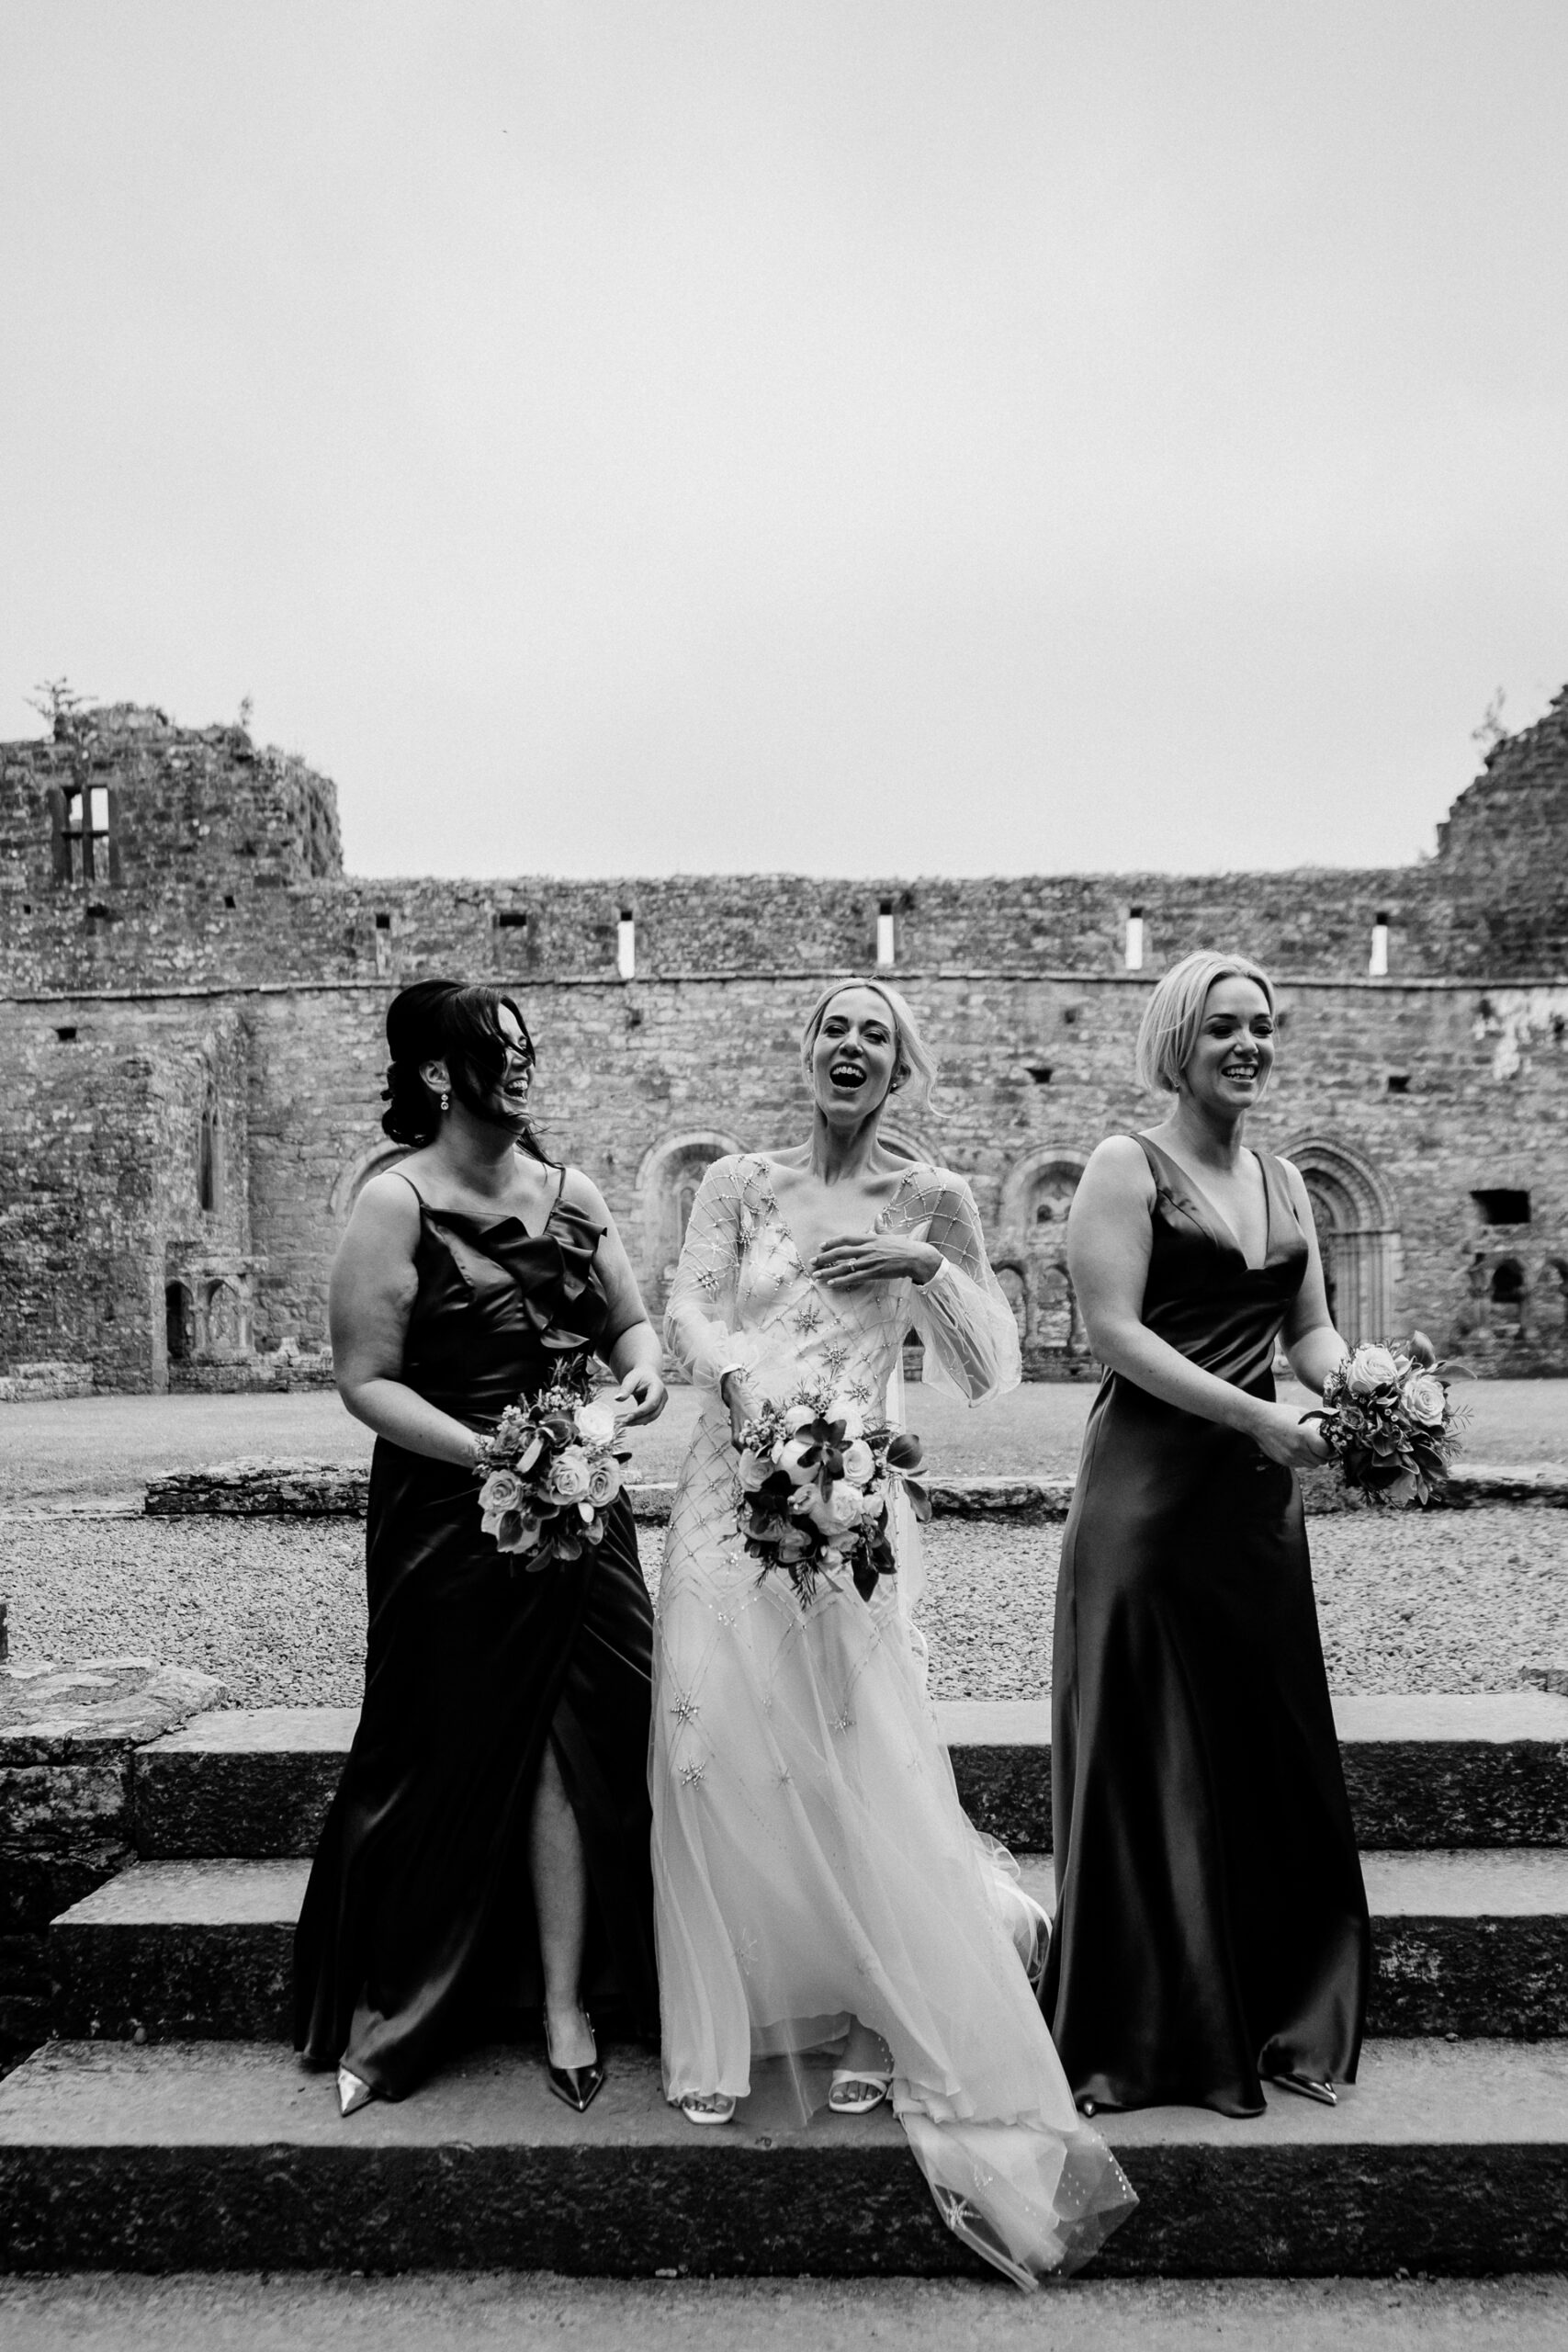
column 1211, row 1929
column 487, row 1847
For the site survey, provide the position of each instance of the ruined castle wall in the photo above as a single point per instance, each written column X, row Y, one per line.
column 628, row 1073
column 193, row 1151
column 100, row 1117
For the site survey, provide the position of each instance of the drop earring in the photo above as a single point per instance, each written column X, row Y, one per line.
column 445, row 1102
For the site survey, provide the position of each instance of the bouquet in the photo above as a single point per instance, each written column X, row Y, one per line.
column 1389, row 1421
column 550, row 1471
column 817, row 1480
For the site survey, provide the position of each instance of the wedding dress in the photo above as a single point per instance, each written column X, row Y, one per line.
column 812, row 1863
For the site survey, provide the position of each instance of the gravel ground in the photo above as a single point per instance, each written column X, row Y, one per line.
column 1454, row 1602
column 112, row 1445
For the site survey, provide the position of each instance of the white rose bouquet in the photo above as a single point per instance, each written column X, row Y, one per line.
column 816, row 1483
column 1389, row 1422
column 550, row 1470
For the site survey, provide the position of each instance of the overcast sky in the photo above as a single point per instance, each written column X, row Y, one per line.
column 749, row 434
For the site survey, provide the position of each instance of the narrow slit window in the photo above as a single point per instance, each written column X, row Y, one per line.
column 1134, row 939
column 1377, row 963
column 626, row 945
column 885, row 944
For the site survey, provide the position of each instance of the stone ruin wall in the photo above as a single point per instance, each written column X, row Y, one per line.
column 174, row 1174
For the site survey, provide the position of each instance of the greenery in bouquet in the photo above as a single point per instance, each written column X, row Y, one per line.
column 1390, row 1422
column 550, row 1470
column 817, row 1484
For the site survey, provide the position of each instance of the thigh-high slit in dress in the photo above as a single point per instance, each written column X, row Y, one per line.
column 1212, row 1923
column 418, row 1927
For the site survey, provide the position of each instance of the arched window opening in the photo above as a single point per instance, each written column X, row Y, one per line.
column 1015, row 1289
column 179, row 1322
column 1057, row 1325
column 1051, row 1192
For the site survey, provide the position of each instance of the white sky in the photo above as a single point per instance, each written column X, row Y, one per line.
column 809, row 434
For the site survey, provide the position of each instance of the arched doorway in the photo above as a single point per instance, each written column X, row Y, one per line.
column 1357, row 1238
column 1037, row 1197
column 668, row 1184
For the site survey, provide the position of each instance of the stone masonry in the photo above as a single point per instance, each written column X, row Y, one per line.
column 191, row 1053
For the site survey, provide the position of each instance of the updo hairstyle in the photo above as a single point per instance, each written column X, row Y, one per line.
column 453, row 1022
column 915, row 1065
column 1174, row 1017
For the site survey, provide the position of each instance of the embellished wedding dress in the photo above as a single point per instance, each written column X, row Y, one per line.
column 812, row 1863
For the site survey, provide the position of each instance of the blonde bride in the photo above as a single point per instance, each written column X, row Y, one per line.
column 817, row 1887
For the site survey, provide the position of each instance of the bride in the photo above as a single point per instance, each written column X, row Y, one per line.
column 817, row 1886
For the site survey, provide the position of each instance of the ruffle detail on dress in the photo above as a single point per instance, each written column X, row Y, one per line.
column 551, row 1269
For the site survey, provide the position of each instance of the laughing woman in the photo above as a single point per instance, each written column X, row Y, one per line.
column 488, row 1846
column 817, row 1884
column 1212, row 1926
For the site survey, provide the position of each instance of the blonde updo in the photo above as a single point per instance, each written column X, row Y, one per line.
column 915, row 1066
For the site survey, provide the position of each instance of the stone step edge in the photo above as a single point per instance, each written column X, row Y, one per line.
column 229, row 1891
column 325, row 1490
column 1448, row 2158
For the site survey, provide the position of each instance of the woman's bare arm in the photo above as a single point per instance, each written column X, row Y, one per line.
column 374, row 1285
column 1108, row 1258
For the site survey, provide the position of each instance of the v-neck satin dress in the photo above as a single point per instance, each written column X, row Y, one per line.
column 1212, row 1923
column 418, row 1931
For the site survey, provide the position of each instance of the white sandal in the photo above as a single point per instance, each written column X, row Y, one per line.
column 866, row 2089
column 706, row 2107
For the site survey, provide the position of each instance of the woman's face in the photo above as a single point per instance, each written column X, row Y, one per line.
column 854, row 1056
column 1229, row 1066
column 498, row 1098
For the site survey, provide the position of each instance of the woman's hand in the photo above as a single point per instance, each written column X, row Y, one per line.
column 1283, row 1437
column 644, row 1391
column 873, row 1258
column 741, row 1404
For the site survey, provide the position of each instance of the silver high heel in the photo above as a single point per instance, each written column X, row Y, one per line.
column 353, row 2091
column 1307, row 2087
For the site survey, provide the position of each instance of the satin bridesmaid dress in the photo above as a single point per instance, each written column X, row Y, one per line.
column 418, row 1932
column 1212, row 1924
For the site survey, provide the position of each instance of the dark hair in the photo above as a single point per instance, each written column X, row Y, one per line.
column 457, row 1023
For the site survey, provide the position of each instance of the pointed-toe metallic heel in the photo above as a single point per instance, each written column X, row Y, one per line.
column 353, row 2091
column 1308, row 2086
column 578, row 2086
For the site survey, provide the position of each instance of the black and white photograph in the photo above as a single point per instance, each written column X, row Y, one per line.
column 783, row 1175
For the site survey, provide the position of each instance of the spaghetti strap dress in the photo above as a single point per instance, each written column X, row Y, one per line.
column 417, row 1932
column 1212, row 1923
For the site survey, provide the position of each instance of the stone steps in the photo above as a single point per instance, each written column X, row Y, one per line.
column 1484, row 1770
column 1469, row 1943
column 1451, row 2158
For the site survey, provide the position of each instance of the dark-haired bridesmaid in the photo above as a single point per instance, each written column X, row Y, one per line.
column 487, row 1847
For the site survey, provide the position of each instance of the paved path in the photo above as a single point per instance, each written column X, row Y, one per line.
column 112, row 1445
column 454, row 2313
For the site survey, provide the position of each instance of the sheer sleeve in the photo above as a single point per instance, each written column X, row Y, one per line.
column 962, row 1313
column 700, row 1327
